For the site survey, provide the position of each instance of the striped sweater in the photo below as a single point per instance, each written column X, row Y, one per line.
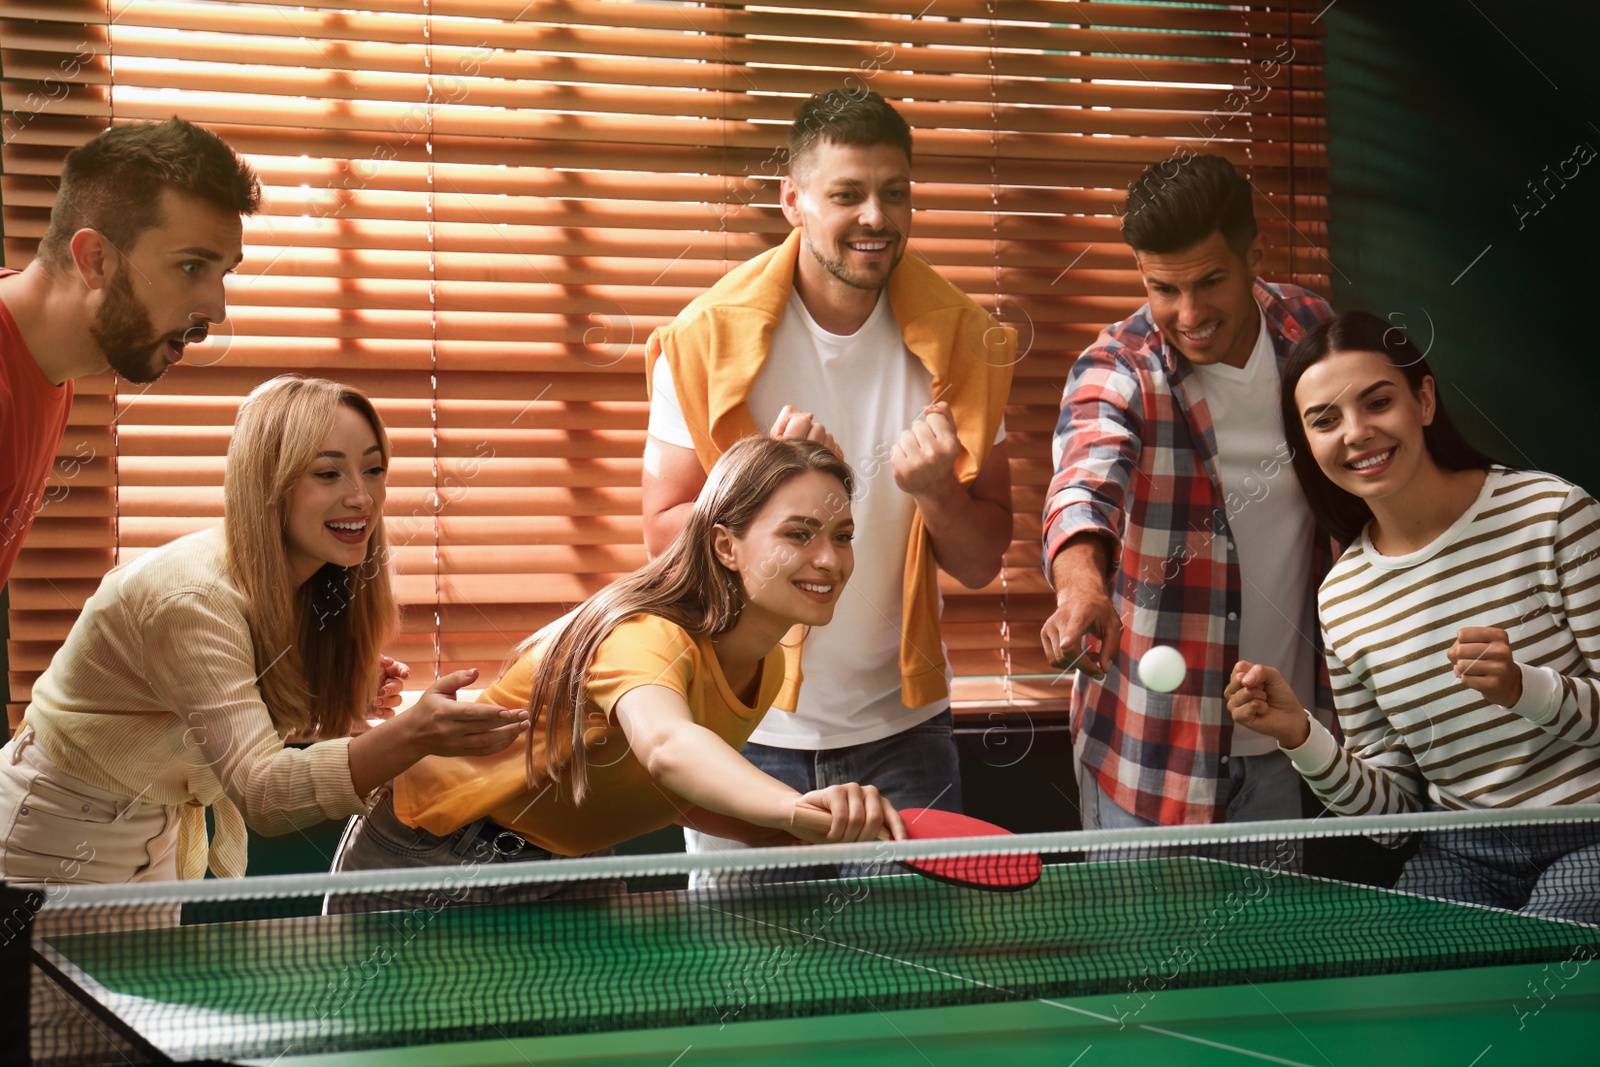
column 1525, row 558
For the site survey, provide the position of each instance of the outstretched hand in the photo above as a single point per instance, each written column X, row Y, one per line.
column 441, row 725
column 437, row 725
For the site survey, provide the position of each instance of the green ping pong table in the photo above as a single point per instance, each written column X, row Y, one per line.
column 1176, row 960
column 1439, row 1019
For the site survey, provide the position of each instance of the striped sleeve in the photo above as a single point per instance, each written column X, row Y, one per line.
column 1575, row 716
column 1375, row 773
column 1524, row 559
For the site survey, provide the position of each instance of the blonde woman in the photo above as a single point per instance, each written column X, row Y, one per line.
column 191, row 665
column 642, row 697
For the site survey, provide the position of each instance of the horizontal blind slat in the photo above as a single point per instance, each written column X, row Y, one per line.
column 478, row 221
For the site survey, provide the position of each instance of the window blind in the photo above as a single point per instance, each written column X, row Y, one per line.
column 477, row 211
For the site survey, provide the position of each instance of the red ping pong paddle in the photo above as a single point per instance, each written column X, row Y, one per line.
column 992, row 871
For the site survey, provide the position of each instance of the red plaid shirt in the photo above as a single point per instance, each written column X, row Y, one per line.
column 1136, row 463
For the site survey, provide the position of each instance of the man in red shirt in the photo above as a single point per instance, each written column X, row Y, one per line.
column 145, row 225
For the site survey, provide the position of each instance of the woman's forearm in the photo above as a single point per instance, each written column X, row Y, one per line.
column 380, row 753
column 699, row 766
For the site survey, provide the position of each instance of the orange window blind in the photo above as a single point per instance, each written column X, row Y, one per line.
column 477, row 210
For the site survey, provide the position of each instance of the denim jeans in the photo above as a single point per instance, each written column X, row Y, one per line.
column 916, row 768
column 1259, row 788
column 1550, row 871
column 380, row 841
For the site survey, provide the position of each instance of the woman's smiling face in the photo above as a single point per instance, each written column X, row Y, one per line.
column 796, row 556
column 1364, row 424
column 338, row 502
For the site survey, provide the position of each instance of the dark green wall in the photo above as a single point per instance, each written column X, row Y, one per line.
column 1440, row 113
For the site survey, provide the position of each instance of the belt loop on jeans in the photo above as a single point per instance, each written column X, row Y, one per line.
column 22, row 740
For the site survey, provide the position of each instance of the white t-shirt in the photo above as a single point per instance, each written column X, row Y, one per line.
column 1271, row 523
column 866, row 389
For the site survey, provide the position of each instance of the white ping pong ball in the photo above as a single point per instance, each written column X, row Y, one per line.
column 1162, row 669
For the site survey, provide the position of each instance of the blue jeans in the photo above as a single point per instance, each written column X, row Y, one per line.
column 1550, row 871
column 1259, row 788
column 916, row 768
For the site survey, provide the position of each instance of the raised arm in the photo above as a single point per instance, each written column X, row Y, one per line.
column 969, row 525
column 1375, row 773
column 689, row 760
column 673, row 476
column 672, row 479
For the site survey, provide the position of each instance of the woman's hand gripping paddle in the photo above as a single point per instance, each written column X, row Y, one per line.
column 992, row 871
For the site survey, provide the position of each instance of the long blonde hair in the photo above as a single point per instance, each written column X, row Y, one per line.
column 317, row 645
column 686, row 585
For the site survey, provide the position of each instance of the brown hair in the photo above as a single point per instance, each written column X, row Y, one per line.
column 113, row 184
column 317, row 645
column 686, row 585
column 1179, row 202
column 1339, row 511
column 845, row 117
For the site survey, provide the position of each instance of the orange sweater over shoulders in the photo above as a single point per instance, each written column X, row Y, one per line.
column 718, row 344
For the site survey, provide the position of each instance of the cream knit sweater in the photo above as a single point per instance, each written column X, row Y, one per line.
column 154, row 695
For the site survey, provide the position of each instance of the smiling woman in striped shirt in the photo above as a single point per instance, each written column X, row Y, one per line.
column 1462, row 628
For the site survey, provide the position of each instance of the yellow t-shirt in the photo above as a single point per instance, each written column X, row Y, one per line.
column 442, row 794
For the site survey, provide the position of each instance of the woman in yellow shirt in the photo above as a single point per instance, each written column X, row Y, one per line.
column 642, row 697
column 191, row 665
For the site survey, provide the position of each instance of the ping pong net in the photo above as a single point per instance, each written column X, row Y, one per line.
column 271, row 968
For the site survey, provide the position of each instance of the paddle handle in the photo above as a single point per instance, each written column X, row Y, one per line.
column 818, row 821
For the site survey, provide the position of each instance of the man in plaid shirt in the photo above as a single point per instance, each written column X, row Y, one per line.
column 1174, row 517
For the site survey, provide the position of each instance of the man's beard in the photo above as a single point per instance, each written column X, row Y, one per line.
column 125, row 334
column 854, row 278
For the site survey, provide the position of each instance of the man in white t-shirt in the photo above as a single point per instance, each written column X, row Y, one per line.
column 839, row 336
column 1175, row 518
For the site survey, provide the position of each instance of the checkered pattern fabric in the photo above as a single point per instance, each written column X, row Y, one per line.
column 1135, row 462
